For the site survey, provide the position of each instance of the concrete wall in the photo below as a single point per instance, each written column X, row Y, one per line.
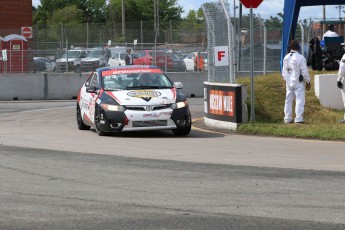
column 327, row 92
column 54, row 86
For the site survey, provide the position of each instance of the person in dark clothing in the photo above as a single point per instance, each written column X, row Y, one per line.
column 315, row 54
column 129, row 58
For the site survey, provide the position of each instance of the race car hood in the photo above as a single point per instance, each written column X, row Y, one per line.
column 144, row 97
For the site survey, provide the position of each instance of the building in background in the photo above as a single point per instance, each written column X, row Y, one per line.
column 15, row 14
column 15, row 36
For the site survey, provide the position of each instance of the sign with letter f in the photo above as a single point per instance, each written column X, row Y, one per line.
column 221, row 56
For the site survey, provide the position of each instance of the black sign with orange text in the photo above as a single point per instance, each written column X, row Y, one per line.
column 223, row 103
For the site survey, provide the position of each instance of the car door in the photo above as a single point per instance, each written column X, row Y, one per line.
column 87, row 99
column 93, row 96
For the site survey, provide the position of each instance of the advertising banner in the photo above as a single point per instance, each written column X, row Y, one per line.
column 223, row 102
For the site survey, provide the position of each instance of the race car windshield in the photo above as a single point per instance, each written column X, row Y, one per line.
column 136, row 81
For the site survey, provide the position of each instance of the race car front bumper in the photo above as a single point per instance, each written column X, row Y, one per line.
column 136, row 120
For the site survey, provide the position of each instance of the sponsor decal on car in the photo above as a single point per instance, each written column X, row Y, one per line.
column 144, row 93
column 130, row 71
column 157, row 114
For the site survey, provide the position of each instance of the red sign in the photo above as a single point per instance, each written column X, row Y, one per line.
column 27, row 32
column 251, row 3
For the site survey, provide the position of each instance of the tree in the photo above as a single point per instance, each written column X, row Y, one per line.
column 68, row 16
column 194, row 19
column 142, row 10
column 275, row 22
column 92, row 10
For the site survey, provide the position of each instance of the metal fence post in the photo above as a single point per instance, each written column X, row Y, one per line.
column 87, row 34
column 265, row 47
column 252, row 110
column 302, row 39
column 142, row 34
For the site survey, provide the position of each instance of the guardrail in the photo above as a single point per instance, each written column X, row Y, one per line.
column 65, row 86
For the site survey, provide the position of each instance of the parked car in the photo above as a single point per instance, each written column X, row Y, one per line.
column 44, row 64
column 118, row 59
column 179, row 64
column 73, row 58
column 189, row 60
column 132, row 98
column 119, row 49
column 95, row 58
column 146, row 57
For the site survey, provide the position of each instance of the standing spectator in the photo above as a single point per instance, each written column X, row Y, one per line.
column 315, row 54
column 198, row 62
column 340, row 80
column 295, row 73
column 129, row 58
column 330, row 32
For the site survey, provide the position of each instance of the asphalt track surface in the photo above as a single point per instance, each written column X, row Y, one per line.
column 54, row 176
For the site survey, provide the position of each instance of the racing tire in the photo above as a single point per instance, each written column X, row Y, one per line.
column 98, row 128
column 184, row 130
column 81, row 125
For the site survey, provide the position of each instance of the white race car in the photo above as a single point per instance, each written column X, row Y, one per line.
column 132, row 98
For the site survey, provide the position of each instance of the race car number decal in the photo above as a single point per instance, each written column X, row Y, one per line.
column 84, row 105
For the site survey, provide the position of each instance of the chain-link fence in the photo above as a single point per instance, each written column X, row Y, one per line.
column 190, row 36
column 51, row 42
column 220, row 33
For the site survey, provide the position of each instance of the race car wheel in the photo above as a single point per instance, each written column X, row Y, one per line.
column 81, row 125
column 184, row 127
column 98, row 128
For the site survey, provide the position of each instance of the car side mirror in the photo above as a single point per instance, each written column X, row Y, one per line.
column 178, row 85
column 91, row 89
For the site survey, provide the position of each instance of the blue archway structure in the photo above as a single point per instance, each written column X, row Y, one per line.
column 291, row 12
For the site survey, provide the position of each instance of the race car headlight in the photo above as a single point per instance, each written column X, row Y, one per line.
column 179, row 105
column 108, row 107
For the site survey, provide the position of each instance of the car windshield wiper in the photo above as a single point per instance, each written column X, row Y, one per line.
column 148, row 87
column 133, row 87
column 161, row 87
column 113, row 89
column 141, row 87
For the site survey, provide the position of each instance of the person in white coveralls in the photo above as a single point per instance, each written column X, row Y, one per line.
column 296, row 76
column 340, row 80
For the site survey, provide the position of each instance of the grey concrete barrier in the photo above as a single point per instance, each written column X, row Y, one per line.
column 65, row 86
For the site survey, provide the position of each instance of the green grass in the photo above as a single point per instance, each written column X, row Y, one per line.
column 269, row 91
